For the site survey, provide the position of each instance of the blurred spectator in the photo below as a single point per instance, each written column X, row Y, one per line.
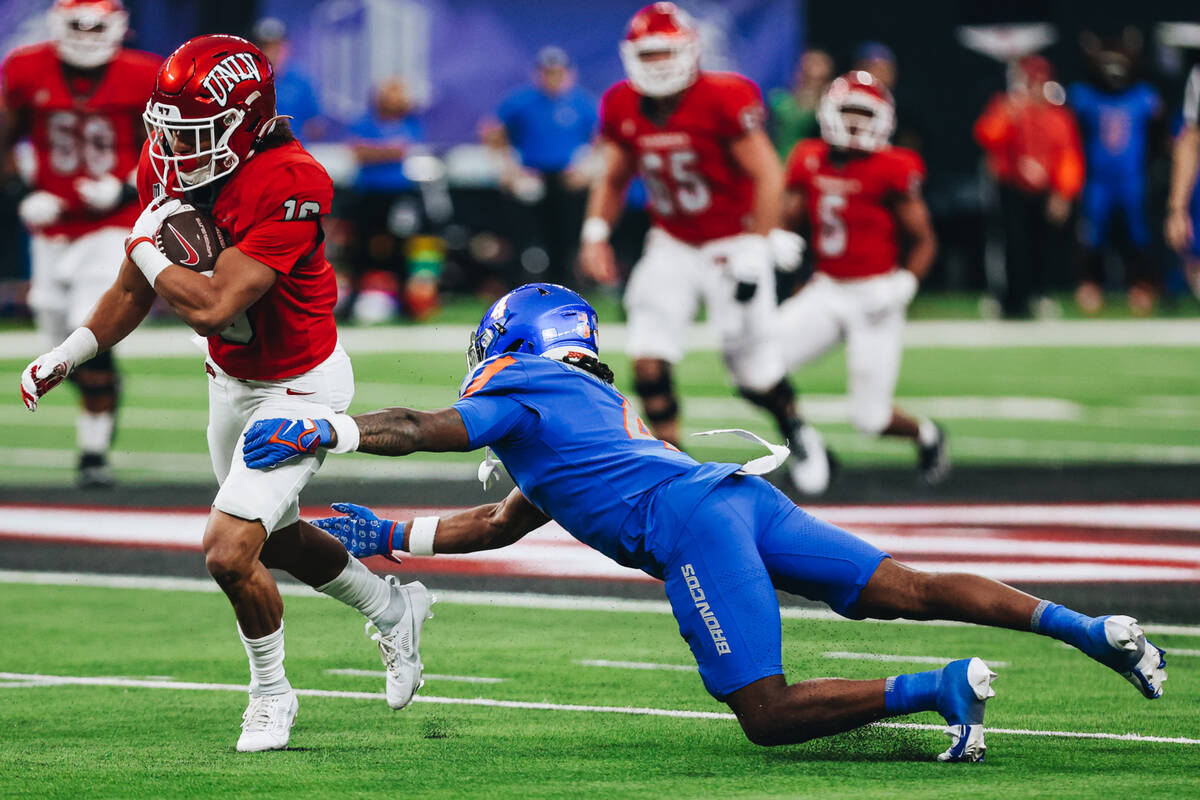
column 294, row 93
column 1183, row 204
column 549, row 123
column 1033, row 151
column 385, row 208
column 879, row 60
column 1115, row 115
column 794, row 110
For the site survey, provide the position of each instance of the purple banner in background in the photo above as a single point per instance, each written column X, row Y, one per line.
column 461, row 56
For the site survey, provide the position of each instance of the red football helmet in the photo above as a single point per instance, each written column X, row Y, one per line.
column 87, row 33
column 213, row 100
column 857, row 113
column 661, row 51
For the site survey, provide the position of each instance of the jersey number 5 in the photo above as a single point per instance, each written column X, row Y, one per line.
column 832, row 238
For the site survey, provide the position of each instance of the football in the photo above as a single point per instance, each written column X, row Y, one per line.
column 190, row 238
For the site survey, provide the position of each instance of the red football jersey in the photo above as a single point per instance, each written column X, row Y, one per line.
column 853, row 230
column 272, row 207
column 697, row 192
column 80, row 131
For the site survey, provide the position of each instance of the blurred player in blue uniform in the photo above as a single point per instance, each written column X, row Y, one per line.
column 1183, row 203
column 721, row 540
column 1115, row 116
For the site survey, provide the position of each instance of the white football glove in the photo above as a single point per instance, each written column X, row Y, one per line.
column 40, row 209
column 150, row 220
column 47, row 371
column 140, row 247
column 100, row 194
column 748, row 260
column 787, row 248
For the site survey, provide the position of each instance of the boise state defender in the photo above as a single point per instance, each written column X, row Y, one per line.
column 721, row 541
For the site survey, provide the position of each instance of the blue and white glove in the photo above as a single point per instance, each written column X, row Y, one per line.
column 361, row 532
column 270, row 442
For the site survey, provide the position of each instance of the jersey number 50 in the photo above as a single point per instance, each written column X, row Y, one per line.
column 674, row 183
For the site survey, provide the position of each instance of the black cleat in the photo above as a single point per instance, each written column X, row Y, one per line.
column 933, row 460
column 94, row 472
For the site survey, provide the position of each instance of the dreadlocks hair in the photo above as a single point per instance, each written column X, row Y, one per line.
column 589, row 364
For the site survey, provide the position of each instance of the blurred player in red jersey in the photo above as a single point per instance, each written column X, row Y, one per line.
column 715, row 185
column 266, row 311
column 78, row 99
column 860, row 198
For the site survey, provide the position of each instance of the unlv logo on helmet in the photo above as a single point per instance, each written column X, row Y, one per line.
column 229, row 73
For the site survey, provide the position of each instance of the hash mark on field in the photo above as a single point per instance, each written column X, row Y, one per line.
column 1183, row 652
column 45, row 681
column 378, row 673
column 600, row 662
column 841, row 654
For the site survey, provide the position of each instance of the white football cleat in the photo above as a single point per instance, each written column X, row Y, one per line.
column 399, row 648
column 1138, row 661
column 267, row 722
column 967, row 686
column 809, row 465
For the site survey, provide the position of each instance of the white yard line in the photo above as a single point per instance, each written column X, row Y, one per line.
column 46, row 681
column 1174, row 651
column 600, row 662
column 378, row 673
column 898, row 659
column 175, row 339
column 549, row 602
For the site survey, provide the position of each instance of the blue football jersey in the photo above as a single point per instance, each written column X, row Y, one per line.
column 576, row 448
column 1114, row 127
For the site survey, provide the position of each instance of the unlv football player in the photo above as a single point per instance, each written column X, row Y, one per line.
column 715, row 184
column 266, row 311
column 77, row 99
column 860, row 198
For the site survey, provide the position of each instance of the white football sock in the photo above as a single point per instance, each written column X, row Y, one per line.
column 266, row 663
column 927, row 432
column 360, row 588
column 93, row 431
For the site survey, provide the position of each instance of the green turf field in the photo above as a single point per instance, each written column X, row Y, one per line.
column 1001, row 405
column 129, row 742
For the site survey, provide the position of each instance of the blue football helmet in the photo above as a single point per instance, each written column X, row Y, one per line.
column 543, row 319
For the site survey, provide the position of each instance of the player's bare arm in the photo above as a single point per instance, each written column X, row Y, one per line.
column 912, row 220
column 604, row 204
column 486, row 527
column 756, row 156
column 1185, row 158
column 400, row 431
column 207, row 304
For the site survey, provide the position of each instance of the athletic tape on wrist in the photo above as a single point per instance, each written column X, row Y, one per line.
column 80, row 346
column 149, row 260
column 595, row 229
column 420, row 536
column 347, row 432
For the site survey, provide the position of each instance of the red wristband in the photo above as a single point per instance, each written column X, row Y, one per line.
column 129, row 245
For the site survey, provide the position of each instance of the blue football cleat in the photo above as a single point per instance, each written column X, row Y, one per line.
column 965, row 688
column 1123, row 646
